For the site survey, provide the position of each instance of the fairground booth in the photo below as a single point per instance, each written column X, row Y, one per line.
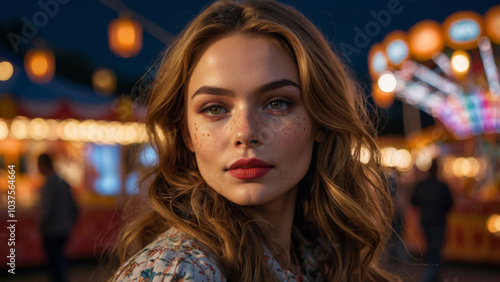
column 448, row 70
column 96, row 139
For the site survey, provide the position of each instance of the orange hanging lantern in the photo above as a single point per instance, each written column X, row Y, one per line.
column 39, row 65
column 125, row 37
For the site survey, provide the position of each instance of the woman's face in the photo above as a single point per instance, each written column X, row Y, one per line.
column 247, row 124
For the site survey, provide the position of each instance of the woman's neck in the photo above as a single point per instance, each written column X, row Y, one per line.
column 279, row 213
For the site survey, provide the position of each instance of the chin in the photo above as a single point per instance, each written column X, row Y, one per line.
column 257, row 195
column 250, row 195
column 251, row 200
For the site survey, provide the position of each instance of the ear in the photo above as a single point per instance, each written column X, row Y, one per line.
column 320, row 134
column 186, row 137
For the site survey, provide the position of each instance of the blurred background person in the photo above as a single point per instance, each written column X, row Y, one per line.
column 396, row 248
column 58, row 214
column 434, row 200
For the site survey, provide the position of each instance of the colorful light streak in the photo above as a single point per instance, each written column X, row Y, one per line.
column 463, row 97
column 490, row 67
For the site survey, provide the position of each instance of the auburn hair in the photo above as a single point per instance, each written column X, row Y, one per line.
column 342, row 200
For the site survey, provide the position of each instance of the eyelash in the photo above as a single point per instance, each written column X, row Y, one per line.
column 208, row 106
column 284, row 100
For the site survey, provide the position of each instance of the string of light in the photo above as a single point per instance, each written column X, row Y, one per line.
column 101, row 132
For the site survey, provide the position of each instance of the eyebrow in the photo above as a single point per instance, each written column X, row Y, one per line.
column 261, row 89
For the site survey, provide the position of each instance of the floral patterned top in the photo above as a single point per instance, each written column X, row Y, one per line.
column 174, row 256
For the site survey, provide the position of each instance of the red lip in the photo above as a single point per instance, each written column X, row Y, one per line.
column 246, row 169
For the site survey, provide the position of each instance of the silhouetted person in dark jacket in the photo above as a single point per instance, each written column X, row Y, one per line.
column 58, row 213
column 434, row 199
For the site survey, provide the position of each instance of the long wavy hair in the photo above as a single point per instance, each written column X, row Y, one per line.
column 342, row 200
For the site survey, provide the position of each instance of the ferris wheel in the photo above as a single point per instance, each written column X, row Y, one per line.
column 448, row 70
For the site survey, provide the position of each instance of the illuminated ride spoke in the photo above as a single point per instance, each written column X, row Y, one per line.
column 447, row 70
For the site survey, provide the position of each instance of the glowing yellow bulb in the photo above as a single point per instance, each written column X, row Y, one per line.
column 364, row 155
column 38, row 129
column 53, row 125
column 387, row 82
column 74, row 130
column 457, row 167
column 19, row 128
column 6, row 71
column 493, row 223
column 402, row 159
column 70, row 129
column 4, row 130
column 387, row 156
column 474, row 167
column 465, row 168
column 460, row 62
column 423, row 160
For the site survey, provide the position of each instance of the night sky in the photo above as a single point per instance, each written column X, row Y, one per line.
column 77, row 31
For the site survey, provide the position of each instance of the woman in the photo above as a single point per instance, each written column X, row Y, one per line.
column 259, row 130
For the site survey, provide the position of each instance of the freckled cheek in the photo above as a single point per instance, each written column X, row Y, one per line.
column 205, row 137
column 295, row 134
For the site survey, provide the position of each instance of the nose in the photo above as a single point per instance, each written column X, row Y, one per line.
column 245, row 129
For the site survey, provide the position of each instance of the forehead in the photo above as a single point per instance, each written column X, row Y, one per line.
column 243, row 57
column 244, row 45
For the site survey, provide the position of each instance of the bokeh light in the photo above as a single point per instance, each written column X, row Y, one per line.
column 70, row 130
column 423, row 160
column 52, row 125
column 465, row 167
column 396, row 47
column 19, row 128
column 39, row 65
column 387, row 154
column 125, row 37
column 425, row 39
column 38, row 129
column 104, row 81
column 492, row 24
column 6, row 70
column 383, row 99
column 4, row 130
column 402, row 160
column 100, row 132
column 460, row 62
column 387, row 82
column 364, row 155
column 493, row 223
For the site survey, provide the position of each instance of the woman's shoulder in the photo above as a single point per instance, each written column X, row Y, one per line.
column 172, row 256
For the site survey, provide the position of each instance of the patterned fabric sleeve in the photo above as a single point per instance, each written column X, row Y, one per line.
column 175, row 257
column 171, row 257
